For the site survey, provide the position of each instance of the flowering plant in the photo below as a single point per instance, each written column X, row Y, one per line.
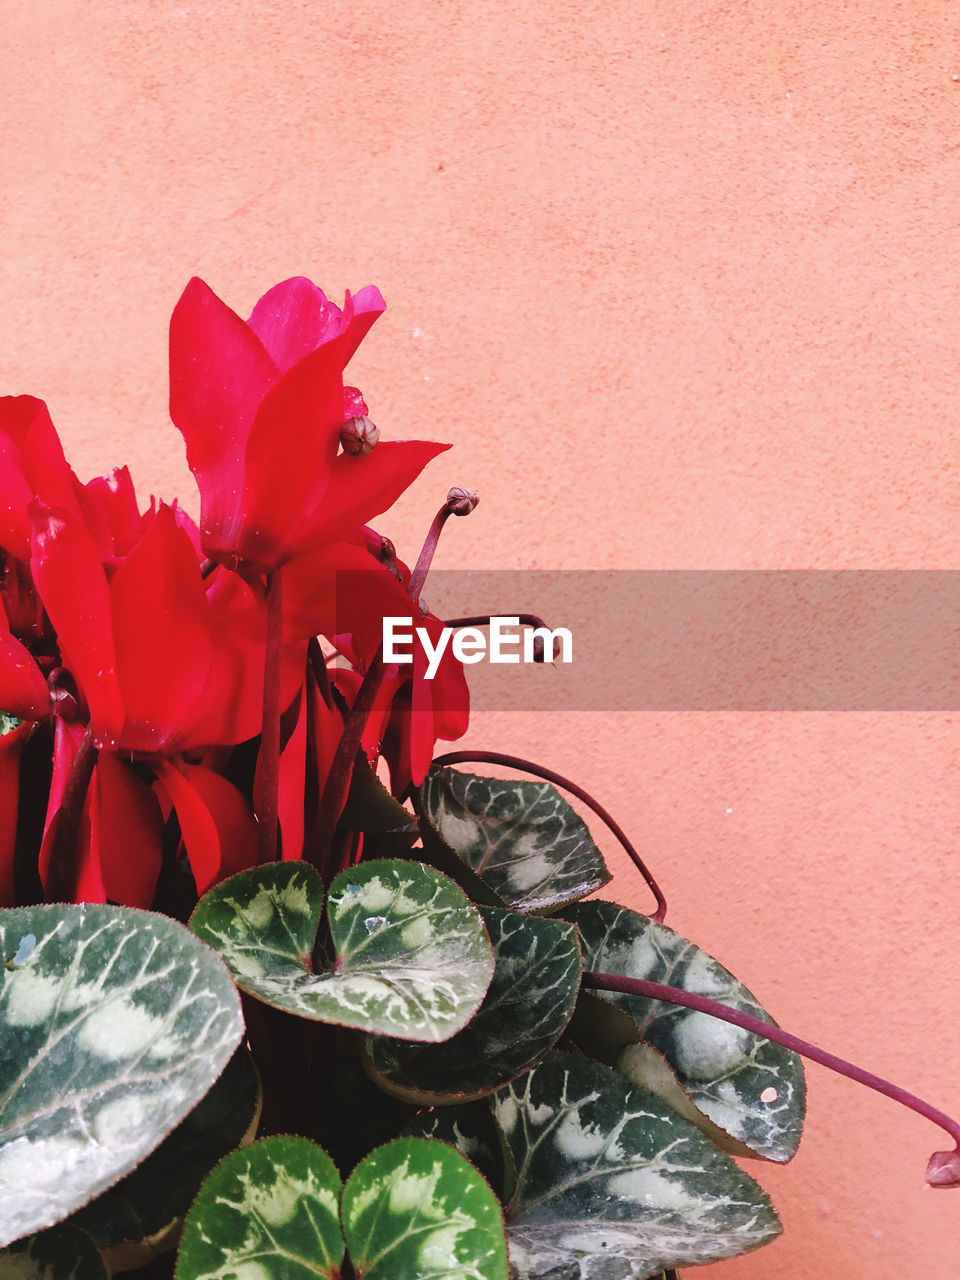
column 218, row 921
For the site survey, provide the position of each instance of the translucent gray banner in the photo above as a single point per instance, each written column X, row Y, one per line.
column 728, row 640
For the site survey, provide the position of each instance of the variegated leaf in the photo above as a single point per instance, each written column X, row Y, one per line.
column 521, row 838
column 113, row 1024
column 745, row 1092
column 610, row 1181
column 268, row 1212
column 411, row 955
column 162, row 1189
column 417, row 1208
column 62, row 1253
column 530, row 1001
column 472, row 1129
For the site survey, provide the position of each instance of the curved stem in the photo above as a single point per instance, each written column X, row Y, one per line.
column 425, row 558
column 528, row 766
column 341, row 768
column 267, row 798
column 61, row 879
column 523, row 620
column 703, row 1004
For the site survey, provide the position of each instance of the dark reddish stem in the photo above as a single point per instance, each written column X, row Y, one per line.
column 425, row 559
column 61, row 879
column 528, row 766
column 523, row 620
column 703, row 1004
column 460, row 502
column 341, row 769
column 268, row 789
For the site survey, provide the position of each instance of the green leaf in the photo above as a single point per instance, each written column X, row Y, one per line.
column 268, row 1212
column 606, row 1171
column 530, row 1001
column 745, row 1092
column 113, row 1024
column 369, row 805
column 472, row 1129
column 412, row 958
column 418, row 1209
column 62, row 1253
column 521, row 838
column 163, row 1187
column 8, row 723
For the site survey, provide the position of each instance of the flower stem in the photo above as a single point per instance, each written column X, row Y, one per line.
column 267, row 797
column 523, row 620
column 528, row 766
column 341, row 767
column 61, row 878
column 703, row 1004
column 460, row 502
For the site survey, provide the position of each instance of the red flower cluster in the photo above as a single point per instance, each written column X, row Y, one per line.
column 134, row 646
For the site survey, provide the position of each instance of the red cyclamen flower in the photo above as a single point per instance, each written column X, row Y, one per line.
column 261, row 405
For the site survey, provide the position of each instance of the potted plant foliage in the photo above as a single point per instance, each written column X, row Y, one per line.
column 283, row 994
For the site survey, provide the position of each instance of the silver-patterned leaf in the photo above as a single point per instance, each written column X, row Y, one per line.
column 521, row 838
column 161, row 1190
column 472, row 1129
column 268, row 1212
column 530, row 1001
column 62, row 1253
column 411, row 956
column 114, row 1023
column 747, row 1093
column 415, row 1209
column 610, row 1181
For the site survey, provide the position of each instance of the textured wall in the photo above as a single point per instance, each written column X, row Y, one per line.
column 680, row 283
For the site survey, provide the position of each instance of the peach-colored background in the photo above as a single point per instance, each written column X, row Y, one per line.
column 680, row 283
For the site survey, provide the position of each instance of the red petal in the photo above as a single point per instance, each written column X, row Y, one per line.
column 32, row 464
column 360, row 310
column 161, row 628
column 125, row 832
column 362, row 487
column 11, row 744
column 218, row 826
column 354, row 405
column 291, row 448
column 219, row 374
column 23, row 690
column 72, row 584
column 293, row 319
column 338, row 590
column 116, row 500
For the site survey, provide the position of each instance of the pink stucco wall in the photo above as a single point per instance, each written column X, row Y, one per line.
column 680, row 282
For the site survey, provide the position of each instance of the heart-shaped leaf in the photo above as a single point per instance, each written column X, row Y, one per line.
column 530, row 1001
column 62, row 1253
column 268, row 1212
column 521, row 838
column 162, row 1188
column 747, row 1093
column 417, row 1208
column 611, row 1181
column 412, row 958
column 472, row 1129
column 113, row 1024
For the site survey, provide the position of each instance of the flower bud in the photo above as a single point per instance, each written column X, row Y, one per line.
column 359, row 435
column 462, row 501
column 943, row 1169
